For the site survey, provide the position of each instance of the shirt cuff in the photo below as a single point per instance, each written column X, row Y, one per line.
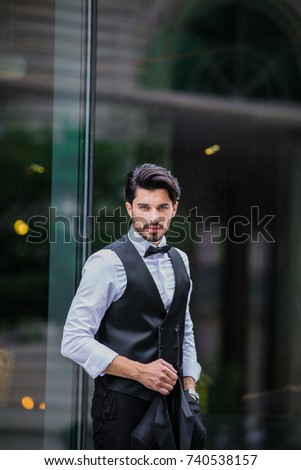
column 99, row 361
column 192, row 370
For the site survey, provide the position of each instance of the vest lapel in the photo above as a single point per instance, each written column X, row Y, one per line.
column 181, row 278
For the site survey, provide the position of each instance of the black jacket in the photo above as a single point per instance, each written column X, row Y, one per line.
column 155, row 431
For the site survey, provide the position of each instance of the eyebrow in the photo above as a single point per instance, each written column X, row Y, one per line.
column 159, row 205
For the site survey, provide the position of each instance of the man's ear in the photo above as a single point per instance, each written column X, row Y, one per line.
column 129, row 209
column 175, row 208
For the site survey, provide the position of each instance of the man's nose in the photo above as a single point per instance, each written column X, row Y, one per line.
column 154, row 215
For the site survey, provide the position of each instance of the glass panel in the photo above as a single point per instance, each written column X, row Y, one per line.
column 72, row 152
column 43, row 178
column 212, row 90
column 26, row 75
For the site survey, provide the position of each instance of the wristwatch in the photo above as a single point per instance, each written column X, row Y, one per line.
column 193, row 393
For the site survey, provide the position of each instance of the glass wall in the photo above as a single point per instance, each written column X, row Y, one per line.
column 26, row 77
column 210, row 90
column 46, row 139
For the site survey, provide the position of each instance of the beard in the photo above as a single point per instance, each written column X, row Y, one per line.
column 152, row 232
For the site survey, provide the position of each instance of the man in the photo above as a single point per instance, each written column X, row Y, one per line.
column 129, row 326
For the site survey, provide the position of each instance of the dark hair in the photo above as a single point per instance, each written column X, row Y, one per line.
column 150, row 176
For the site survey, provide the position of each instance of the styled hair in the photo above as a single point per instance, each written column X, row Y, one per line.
column 150, row 176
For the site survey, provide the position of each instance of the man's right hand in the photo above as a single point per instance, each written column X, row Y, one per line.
column 158, row 375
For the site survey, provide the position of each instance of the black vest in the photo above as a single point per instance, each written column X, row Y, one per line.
column 137, row 325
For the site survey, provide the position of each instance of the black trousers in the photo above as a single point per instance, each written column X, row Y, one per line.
column 114, row 417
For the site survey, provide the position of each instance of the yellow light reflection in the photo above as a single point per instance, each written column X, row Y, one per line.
column 27, row 403
column 42, row 405
column 212, row 150
column 35, row 168
column 21, row 227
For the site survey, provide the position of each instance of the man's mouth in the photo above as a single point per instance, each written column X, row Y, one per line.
column 152, row 228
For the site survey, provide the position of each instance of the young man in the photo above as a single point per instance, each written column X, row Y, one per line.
column 129, row 327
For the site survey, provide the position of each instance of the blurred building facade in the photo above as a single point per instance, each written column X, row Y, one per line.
column 211, row 90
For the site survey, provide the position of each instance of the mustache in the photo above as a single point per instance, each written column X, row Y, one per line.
column 153, row 224
column 143, row 222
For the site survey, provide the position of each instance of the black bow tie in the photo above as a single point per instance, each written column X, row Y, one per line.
column 152, row 250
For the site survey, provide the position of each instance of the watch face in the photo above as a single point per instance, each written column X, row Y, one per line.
column 193, row 394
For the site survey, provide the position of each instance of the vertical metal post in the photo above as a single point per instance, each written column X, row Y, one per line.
column 86, row 191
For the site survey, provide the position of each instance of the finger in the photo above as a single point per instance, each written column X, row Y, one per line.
column 168, row 365
column 168, row 383
column 165, row 390
column 170, row 378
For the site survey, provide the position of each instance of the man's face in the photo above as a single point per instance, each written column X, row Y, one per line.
column 151, row 213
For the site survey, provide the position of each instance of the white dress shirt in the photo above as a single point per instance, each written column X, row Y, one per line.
column 103, row 282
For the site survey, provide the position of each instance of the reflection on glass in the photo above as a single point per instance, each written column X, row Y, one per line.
column 35, row 168
column 21, row 227
column 212, row 150
column 26, row 58
column 219, row 79
column 27, row 403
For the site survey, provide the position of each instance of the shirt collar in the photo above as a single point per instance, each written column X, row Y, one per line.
column 140, row 243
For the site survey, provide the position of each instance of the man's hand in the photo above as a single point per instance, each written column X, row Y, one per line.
column 158, row 375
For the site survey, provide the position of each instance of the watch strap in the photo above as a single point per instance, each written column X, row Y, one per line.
column 193, row 393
